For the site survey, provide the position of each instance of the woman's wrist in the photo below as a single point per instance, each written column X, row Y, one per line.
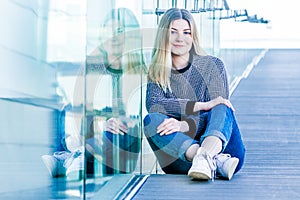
column 199, row 106
column 184, row 126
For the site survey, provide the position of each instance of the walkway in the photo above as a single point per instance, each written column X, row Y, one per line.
column 268, row 111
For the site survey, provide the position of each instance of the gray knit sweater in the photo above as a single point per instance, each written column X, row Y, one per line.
column 204, row 79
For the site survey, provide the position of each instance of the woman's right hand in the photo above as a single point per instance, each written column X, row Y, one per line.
column 212, row 103
column 116, row 126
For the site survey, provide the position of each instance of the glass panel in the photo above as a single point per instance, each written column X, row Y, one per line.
column 114, row 74
column 40, row 56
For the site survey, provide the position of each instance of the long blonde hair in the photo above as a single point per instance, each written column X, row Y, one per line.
column 160, row 67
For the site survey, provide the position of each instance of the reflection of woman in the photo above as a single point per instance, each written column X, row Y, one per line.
column 116, row 59
column 114, row 71
column 190, row 126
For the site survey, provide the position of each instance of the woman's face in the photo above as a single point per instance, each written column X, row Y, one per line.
column 180, row 37
column 114, row 42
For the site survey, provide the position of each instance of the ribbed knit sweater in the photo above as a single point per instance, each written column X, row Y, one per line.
column 204, row 79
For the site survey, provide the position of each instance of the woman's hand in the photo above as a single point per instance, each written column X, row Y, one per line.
column 171, row 125
column 116, row 126
column 220, row 100
column 212, row 103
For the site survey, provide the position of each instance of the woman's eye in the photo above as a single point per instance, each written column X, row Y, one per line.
column 173, row 32
column 119, row 30
column 187, row 33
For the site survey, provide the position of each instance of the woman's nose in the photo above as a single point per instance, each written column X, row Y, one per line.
column 179, row 37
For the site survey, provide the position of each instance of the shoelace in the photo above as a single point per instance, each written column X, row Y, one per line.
column 61, row 156
column 212, row 165
column 73, row 155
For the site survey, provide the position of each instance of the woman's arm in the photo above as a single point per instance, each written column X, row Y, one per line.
column 205, row 106
column 163, row 102
column 216, row 79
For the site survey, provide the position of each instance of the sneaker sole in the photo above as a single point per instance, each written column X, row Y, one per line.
column 49, row 163
column 199, row 175
column 51, row 166
column 232, row 167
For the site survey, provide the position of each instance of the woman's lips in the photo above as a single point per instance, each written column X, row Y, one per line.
column 178, row 45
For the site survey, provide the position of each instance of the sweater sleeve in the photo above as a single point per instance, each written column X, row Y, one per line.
column 196, row 123
column 157, row 100
column 217, row 82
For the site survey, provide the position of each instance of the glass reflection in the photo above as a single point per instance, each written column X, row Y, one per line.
column 99, row 128
column 115, row 70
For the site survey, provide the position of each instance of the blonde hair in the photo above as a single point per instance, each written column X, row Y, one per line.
column 160, row 67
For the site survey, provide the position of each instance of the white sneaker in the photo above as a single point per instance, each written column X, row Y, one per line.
column 226, row 165
column 75, row 162
column 203, row 166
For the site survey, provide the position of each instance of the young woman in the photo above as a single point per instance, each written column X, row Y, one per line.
column 191, row 126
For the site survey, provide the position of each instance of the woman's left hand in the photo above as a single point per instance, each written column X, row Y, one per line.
column 171, row 125
column 219, row 100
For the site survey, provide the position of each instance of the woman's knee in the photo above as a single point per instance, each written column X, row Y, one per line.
column 153, row 117
column 151, row 122
column 222, row 108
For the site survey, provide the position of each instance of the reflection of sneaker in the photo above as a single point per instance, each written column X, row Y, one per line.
column 203, row 166
column 54, row 166
column 75, row 162
column 226, row 165
column 55, row 163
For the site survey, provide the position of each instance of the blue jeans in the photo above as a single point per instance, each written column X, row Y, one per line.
column 120, row 152
column 170, row 149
